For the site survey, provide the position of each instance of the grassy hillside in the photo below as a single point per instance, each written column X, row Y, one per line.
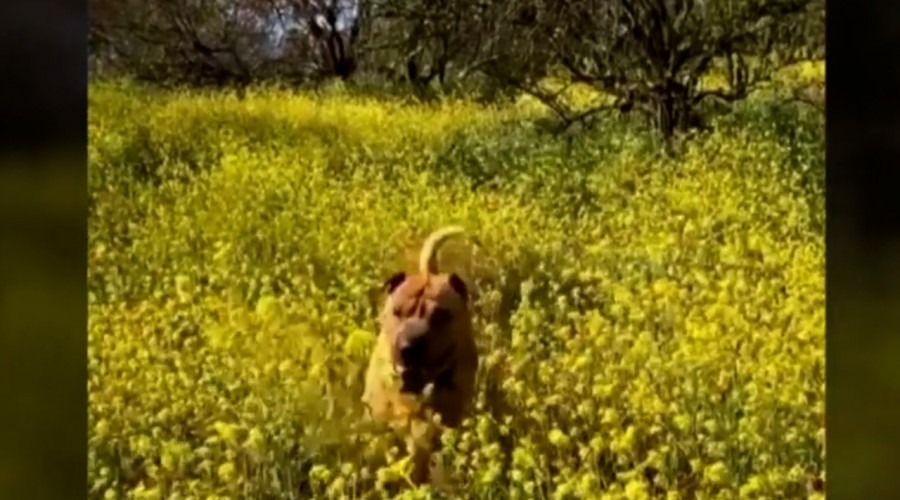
column 650, row 327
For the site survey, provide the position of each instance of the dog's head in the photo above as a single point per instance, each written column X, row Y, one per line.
column 423, row 318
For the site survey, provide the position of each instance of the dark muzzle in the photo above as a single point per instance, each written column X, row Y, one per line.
column 410, row 349
column 413, row 353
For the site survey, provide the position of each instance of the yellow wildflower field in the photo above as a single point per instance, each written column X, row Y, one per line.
column 649, row 327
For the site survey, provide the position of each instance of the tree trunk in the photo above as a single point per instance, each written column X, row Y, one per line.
column 673, row 110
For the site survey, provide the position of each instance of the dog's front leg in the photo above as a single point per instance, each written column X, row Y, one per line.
column 423, row 441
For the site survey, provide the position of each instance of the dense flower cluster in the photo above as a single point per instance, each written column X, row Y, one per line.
column 649, row 327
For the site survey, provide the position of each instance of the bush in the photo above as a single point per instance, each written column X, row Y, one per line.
column 649, row 327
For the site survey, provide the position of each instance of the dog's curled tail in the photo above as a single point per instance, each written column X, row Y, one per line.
column 428, row 255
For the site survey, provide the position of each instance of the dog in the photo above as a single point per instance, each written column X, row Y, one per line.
column 421, row 374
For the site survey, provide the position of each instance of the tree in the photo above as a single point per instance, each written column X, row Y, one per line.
column 223, row 42
column 649, row 55
column 328, row 26
column 440, row 42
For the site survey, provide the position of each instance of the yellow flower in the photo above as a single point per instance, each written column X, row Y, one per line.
column 558, row 438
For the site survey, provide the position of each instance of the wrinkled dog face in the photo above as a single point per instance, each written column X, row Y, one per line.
column 422, row 319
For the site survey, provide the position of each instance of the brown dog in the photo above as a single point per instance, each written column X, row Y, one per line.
column 425, row 359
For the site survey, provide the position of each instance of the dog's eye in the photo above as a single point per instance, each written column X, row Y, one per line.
column 440, row 317
column 398, row 311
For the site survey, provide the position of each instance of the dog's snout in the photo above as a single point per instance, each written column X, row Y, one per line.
column 409, row 346
column 411, row 350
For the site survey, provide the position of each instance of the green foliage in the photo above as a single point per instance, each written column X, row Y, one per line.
column 650, row 327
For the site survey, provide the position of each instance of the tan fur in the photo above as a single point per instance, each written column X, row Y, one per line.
column 428, row 255
column 448, row 361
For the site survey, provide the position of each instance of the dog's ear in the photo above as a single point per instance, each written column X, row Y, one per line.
column 394, row 281
column 459, row 286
